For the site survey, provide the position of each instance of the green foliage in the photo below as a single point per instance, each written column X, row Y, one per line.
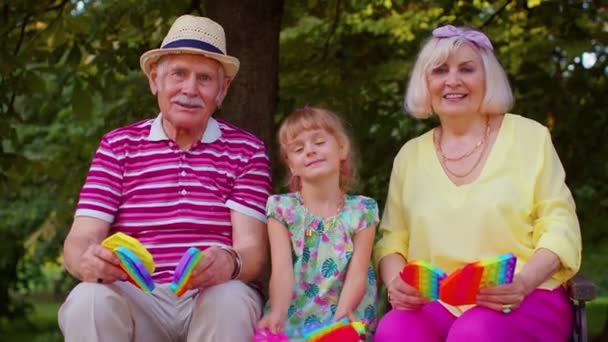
column 69, row 75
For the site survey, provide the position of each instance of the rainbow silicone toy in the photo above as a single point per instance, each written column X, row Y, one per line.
column 341, row 331
column 134, row 259
column 264, row 335
column 461, row 286
column 183, row 271
column 425, row 277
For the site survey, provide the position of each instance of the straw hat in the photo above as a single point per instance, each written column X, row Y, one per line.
column 193, row 35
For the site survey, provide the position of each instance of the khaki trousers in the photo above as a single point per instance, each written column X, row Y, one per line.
column 121, row 312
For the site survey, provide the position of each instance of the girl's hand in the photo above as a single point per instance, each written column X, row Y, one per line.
column 505, row 297
column 273, row 322
column 344, row 313
column 403, row 296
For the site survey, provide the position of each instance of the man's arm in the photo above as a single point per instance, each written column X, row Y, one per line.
column 250, row 241
column 83, row 255
column 250, row 246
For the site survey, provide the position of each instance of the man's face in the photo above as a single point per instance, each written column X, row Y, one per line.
column 189, row 88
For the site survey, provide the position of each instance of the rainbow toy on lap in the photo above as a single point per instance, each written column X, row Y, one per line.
column 461, row 286
column 183, row 271
column 134, row 258
column 341, row 331
column 425, row 277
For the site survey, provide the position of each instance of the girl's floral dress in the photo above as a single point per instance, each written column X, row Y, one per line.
column 321, row 259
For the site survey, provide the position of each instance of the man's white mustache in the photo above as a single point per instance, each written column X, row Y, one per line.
column 188, row 101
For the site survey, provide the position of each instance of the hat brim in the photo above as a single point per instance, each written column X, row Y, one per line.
column 230, row 64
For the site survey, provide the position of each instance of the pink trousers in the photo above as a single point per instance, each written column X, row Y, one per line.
column 544, row 315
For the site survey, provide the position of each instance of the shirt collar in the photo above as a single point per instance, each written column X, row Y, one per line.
column 211, row 134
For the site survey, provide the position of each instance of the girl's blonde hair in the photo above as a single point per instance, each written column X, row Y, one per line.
column 310, row 118
column 498, row 98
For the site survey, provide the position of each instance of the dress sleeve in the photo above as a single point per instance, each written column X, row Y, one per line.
column 556, row 225
column 275, row 210
column 369, row 213
column 393, row 232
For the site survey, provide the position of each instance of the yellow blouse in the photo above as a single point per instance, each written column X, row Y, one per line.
column 518, row 204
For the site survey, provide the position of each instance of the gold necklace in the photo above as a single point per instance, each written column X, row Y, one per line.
column 327, row 224
column 479, row 143
column 445, row 159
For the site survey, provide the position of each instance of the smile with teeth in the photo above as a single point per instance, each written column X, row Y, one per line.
column 454, row 96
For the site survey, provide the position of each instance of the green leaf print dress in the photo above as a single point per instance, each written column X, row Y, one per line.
column 321, row 259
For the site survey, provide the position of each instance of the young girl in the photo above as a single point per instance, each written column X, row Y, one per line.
column 320, row 237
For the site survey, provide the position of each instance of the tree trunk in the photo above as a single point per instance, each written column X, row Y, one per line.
column 252, row 35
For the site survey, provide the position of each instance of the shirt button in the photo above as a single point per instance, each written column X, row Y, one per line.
column 183, row 156
column 183, row 173
column 184, row 192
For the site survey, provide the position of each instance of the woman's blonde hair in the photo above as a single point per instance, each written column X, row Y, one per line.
column 498, row 97
column 310, row 118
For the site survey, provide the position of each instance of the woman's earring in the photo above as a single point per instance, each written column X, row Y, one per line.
column 294, row 183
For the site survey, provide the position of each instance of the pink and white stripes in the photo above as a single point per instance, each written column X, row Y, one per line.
column 170, row 199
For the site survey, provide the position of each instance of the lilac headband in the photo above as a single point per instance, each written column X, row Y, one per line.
column 476, row 37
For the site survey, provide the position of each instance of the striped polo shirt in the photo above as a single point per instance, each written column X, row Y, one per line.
column 144, row 185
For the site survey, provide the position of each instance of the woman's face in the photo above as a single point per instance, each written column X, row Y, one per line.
column 457, row 87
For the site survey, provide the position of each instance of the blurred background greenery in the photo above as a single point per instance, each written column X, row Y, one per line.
column 69, row 72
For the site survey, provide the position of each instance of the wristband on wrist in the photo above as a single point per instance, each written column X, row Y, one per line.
column 236, row 257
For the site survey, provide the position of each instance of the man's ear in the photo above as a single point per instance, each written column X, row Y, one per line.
column 152, row 77
column 222, row 95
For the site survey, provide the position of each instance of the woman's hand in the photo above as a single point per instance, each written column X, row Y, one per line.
column 403, row 296
column 272, row 321
column 505, row 297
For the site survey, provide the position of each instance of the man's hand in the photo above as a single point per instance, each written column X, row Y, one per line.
column 98, row 262
column 215, row 268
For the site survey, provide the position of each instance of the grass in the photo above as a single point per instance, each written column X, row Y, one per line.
column 45, row 329
column 597, row 314
column 41, row 325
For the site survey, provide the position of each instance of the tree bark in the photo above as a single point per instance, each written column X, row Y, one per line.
column 252, row 35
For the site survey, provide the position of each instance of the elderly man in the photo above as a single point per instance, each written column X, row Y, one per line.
column 181, row 179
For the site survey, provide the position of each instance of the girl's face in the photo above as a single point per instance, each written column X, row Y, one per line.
column 457, row 87
column 314, row 154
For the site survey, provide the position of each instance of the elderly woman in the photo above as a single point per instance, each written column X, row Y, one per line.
column 482, row 183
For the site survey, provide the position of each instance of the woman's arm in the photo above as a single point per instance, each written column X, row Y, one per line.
column 356, row 275
column 390, row 267
column 555, row 236
column 541, row 266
